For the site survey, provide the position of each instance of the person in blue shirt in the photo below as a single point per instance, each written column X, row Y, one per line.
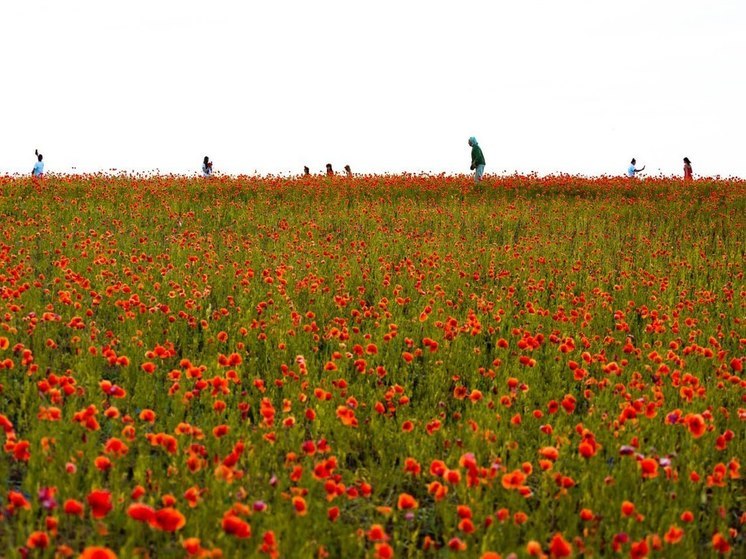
column 631, row 171
column 38, row 170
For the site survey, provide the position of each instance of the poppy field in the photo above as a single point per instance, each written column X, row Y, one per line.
column 383, row 366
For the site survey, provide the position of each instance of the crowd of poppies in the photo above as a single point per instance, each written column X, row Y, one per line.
column 381, row 366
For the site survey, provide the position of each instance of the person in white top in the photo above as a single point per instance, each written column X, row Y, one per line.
column 631, row 170
column 206, row 167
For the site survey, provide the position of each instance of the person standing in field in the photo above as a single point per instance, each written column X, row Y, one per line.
column 329, row 170
column 687, row 169
column 348, row 171
column 477, row 159
column 306, row 170
column 38, row 169
column 206, row 167
column 631, row 170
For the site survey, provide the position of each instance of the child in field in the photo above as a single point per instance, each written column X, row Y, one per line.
column 329, row 170
column 38, row 169
column 206, row 167
column 631, row 171
column 477, row 159
column 687, row 169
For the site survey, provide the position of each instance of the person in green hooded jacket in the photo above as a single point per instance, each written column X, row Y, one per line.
column 477, row 159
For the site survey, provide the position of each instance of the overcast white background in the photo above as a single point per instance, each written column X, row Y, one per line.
column 386, row 86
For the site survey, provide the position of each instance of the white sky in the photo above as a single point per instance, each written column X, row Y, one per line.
column 386, row 86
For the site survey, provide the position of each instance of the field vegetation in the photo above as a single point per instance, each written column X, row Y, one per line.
column 387, row 366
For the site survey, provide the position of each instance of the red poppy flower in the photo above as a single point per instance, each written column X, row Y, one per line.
column 140, row 512
column 38, row 540
column 236, row 526
column 168, row 520
column 97, row 553
column 559, row 547
column 100, row 502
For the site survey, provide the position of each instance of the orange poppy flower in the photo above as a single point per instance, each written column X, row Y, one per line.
column 513, row 480
column 406, row 502
column 720, row 543
column 628, row 508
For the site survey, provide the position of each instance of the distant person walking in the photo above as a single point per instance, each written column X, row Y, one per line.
column 348, row 171
column 38, row 170
column 329, row 170
column 687, row 169
column 477, row 159
column 631, row 170
column 206, row 167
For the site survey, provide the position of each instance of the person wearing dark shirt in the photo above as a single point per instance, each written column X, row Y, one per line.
column 206, row 167
column 477, row 159
column 687, row 169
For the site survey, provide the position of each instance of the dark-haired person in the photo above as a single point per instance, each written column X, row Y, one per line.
column 329, row 170
column 206, row 167
column 477, row 159
column 631, row 170
column 348, row 171
column 306, row 170
column 687, row 169
column 38, row 169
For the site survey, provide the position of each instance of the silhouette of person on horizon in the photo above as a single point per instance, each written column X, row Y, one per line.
column 306, row 170
column 348, row 171
column 631, row 170
column 477, row 159
column 38, row 170
column 206, row 167
column 329, row 170
column 687, row 169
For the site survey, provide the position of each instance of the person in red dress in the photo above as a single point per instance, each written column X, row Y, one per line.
column 687, row 169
